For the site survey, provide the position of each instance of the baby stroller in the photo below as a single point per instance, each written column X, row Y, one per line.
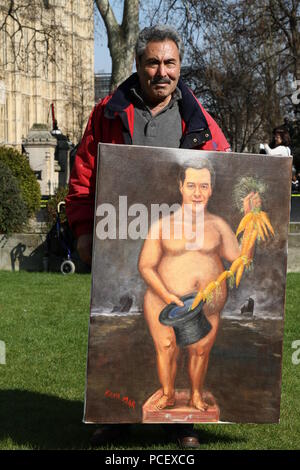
column 60, row 242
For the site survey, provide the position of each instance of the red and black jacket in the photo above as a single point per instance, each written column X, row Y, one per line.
column 112, row 121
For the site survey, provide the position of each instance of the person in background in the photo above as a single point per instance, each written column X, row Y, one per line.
column 280, row 144
column 295, row 182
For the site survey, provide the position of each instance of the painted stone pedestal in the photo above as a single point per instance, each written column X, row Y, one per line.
column 181, row 412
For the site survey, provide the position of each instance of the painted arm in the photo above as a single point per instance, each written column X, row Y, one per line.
column 149, row 259
column 230, row 249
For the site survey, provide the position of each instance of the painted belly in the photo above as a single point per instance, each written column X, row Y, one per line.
column 193, row 271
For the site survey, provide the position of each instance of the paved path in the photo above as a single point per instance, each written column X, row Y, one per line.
column 293, row 260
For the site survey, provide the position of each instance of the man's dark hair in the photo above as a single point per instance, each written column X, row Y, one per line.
column 158, row 33
column 202, row 164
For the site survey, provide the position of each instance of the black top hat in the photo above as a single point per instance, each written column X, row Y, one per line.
column 189, row 325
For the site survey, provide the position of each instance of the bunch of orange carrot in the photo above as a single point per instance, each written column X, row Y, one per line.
column 255, row 224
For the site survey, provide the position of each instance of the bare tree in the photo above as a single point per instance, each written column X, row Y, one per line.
column 29, row 29
column 284, row 15
column 79, row 95
column 121, row 37
column 244, row 56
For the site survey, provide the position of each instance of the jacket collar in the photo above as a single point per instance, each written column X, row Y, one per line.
column 189, row 107
column 121, row 98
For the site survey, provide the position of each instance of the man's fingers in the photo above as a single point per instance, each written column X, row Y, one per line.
column 249, row 196
column 179, row 302
column 252, row 201
column 176, row 301
column 256, row 200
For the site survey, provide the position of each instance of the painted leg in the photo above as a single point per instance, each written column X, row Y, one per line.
column 197, row 371
column 166, row 349
column 167, row 367
column 198, row 363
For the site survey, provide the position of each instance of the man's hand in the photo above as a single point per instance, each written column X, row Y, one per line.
column 252, row 201
column 176, row 300
column 84, row 247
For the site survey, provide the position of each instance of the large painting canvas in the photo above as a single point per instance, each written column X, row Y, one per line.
column 188, row 286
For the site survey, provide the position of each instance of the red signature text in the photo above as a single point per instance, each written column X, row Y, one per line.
column 117, row 396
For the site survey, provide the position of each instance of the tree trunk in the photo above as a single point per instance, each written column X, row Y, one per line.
column 121, row 38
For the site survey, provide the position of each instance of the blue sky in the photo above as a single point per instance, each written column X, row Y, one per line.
column 102, row 58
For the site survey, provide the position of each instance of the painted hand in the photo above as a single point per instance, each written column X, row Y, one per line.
column 175, row 299
column 252, row 201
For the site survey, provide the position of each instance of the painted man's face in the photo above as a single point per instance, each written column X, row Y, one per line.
column 196, row 188
column 159, row 70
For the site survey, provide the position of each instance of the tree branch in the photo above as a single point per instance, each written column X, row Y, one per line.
column 130, row 23
column 108, row 16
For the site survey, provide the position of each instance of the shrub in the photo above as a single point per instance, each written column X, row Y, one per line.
column 20, row 168
column 13, row 211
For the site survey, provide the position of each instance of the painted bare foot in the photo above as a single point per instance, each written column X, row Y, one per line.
column 164, row 402
column 197, row 402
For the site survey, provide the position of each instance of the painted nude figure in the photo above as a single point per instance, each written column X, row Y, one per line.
column 171, row 269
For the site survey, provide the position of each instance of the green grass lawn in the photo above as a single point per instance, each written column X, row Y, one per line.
column 44, row 324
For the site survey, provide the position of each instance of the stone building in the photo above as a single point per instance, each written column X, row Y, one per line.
column 57, row 68
column 48, row 157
